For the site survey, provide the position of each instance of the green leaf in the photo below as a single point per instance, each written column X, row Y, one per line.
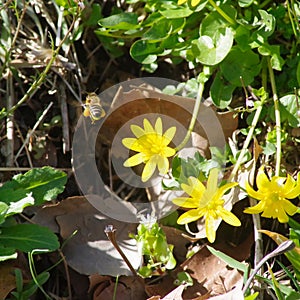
column 92, row 18
column 229, row 260
column 144, row 52
column 239, row 64
column 214, row 23
column 28, row 237
column 7, row 253
column 210, row 52
column 18, row 206
column 276, row 286
column 287, row 290
column 245, row 3
column 242, row 37
column 181, row 12
column 3, row 210
column 122, row 21
column 31, row 287
column 269, row 148
column 290, row 109
column 44, row 183
column 274, row 51
column 184, row 278
column 267, row 21
column 159, row 31
column 221, row 91
column 252, row 297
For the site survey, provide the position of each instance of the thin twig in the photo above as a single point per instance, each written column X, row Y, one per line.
column 64, row 113
column 26, row 148
column 67, row 273
column 33, row 129
column 10, row 123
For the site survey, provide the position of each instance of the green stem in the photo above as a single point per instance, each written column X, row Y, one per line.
column 277, row 119
column 247, row 142
column 292, row 18
column 206, row 71
column 221, row 12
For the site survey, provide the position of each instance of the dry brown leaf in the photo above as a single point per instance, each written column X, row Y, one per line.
column 127, row 287
column 166, row 285
column 89, row 251
column 212, row 272
column 7, row 279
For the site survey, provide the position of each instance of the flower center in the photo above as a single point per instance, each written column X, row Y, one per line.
column 153, row 144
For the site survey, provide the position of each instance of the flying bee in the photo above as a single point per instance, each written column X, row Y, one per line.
column 93, row 107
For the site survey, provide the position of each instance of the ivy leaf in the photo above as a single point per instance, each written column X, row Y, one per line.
column 239, row 64
column 162, row 29
column 274, row 51
column 144, row 52
column 288, row 111
column 210, row 52
column 122, row 21
column 221, row 91
column 181, row 12
column 245, row 3
column 214, row 23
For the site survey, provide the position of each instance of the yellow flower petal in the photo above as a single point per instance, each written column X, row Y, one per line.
column 158, row 126
column 149, row 169
column 169, row 135
column 289, row 207
column 256, row 209
column 262, row 180
column 210, row 229
column 194, row 188
column 134, row 160
column 181, row 2
column 186, row 202
column 128, row 142
column 212, row 181
column 163, row 165
column 289, row 183
column 229, row 218
column 189, row 216
column 195, row 2
column 223, row 189
column 137, row 130
column 148, row 127
column 252, row 193
column 295, row 192
column 168, row 152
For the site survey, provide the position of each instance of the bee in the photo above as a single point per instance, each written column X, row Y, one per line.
column 93, row 107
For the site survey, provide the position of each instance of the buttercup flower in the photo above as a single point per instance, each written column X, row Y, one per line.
column 206, row 202
column 152, row 146
column 272, row 196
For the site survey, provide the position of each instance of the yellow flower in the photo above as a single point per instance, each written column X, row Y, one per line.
column 193, row 2
column 152, row 146
column 272, row 196
column 206, row 202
